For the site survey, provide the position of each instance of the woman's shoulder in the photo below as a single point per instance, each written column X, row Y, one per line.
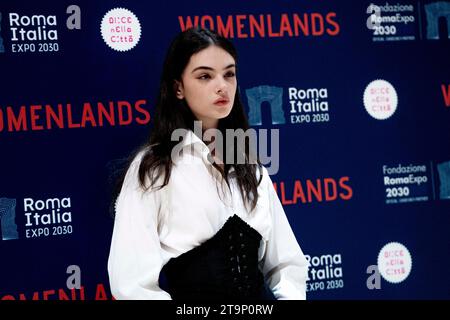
column 136, row 161
column 141, row 152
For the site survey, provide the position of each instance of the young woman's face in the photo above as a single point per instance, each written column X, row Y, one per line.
column 208, row 84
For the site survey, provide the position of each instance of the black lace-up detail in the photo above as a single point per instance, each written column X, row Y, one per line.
column 224, row 267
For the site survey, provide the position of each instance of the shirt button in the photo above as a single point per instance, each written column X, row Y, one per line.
column 231, row 248
column 241, row 234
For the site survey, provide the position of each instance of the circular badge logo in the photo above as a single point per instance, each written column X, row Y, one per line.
column 394, row 262
column 380, row 99
column 120, row 29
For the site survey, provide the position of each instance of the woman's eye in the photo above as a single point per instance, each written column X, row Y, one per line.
column 204, row 77
column 230, row 74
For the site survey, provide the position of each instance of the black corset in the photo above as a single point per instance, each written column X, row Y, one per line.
column 224, row 267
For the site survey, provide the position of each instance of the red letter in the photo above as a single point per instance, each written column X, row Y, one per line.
column 188, row 23
column 146, row 114
column 35, row 296
column 283, row 195
column 269, row 25
column 59, row 119
column 310, row 188
column 102, row 112
column 303, row 25
column 240, row 25
column 82, row 293
column 298, row 192
column 254, row 25
column 19, row 123
column 46, row 293
column 333, row 23
column 329, row 197
column 314, row 17
column 88, row 115
column 211, row 22
column 126, row 104
column 285, row 25
column 35, row 117
column 100, row 293
column 349, row 189
column 69, row 117
column 62, row 295
column 1, row 120
column 445, row 94
column 226, row 31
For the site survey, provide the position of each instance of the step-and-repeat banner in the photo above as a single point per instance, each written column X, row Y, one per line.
column 358, row 91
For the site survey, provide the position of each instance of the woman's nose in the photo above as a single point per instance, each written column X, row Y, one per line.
column 222, row 84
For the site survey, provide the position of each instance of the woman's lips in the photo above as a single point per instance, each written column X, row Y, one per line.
column 221, row 102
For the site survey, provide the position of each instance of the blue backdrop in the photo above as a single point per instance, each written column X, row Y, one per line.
column 360, row 94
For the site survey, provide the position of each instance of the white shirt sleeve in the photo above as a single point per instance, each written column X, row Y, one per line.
column 285, row 267
column 135, row 259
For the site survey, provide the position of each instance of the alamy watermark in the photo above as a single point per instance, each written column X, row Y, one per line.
column 258, row 146
column 74, row 280
column 374, row 280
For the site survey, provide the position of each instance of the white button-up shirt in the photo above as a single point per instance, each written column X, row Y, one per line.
column 151, row 228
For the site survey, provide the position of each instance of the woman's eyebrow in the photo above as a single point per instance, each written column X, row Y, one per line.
column 212, row 69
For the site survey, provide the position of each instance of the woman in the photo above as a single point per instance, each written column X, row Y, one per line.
column 213, row 229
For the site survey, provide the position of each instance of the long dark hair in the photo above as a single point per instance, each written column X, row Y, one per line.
column 172, row 113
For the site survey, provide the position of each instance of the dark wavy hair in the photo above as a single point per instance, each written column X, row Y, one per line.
column 172, row 113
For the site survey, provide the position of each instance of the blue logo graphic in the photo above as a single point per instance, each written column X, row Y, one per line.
column 2, row 48
column 256, row 96
column 444, row 178
column 7, row 219
column 435, row 11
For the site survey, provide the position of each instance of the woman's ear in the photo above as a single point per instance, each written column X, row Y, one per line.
column 179, row 91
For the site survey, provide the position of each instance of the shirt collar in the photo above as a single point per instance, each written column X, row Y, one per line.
column 190, row 139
